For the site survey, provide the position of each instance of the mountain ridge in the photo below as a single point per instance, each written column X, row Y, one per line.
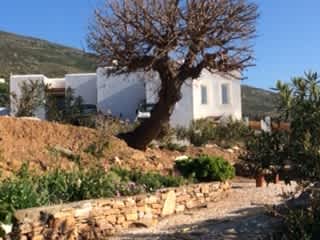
column 30, row 55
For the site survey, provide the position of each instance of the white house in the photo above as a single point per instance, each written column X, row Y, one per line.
column 209, row 95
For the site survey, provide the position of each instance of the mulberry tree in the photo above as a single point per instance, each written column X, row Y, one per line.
column 175, row 38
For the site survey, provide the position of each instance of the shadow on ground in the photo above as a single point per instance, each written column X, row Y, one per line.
column 250, row 223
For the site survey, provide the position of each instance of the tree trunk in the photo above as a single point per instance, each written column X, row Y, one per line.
column 149, row 129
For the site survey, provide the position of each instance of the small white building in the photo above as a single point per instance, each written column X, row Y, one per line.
column 210, row 95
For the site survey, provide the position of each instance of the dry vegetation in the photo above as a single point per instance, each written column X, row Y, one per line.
column 48, row 145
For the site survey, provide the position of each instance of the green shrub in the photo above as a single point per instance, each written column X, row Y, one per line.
column 150, row 181
column 206, row 130
column 266, row 152
column 31, row 98
column 206, row 169
column 301, row 222
column 26, row 190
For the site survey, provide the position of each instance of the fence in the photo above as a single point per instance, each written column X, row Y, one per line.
column 267, row 125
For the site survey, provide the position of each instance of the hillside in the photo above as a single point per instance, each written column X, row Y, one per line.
column 257, row 103
column 22, row 55
column 26, row 55
column 46, row 146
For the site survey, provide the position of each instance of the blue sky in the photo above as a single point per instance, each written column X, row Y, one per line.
column 288, row 32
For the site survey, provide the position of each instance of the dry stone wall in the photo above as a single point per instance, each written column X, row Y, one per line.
column 95, row 219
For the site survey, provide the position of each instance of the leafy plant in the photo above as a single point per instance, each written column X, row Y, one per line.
column 224, row 133
column 32, row 97
column 206, row 168
column 26, row 189
column 267, row 152
column 4, row 95
column 301, row 222
column 299, row 104
column 68, row 112
column 150, row 181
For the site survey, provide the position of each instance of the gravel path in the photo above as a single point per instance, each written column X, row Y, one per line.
column 240, row 215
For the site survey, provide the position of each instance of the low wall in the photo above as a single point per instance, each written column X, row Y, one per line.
column 94, row 219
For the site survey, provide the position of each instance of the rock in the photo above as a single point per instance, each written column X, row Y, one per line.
column 132, row 216
column 30, row 118
column 7, row 228
column 231, row 231
column 180, row 158
column 83, row 212
column 180, row 208
column 230, row 150
column 209, row 146
column 236, row 148
column 117, row 160
column 64, row 151
column 169, row 204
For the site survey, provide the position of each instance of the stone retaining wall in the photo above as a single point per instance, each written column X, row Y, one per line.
column 94, row 219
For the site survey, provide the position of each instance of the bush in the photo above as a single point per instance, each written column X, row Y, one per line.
column 4, row 94
column 266, row 152
column 225, row 133
column 206, row 169
column 299, row 104
column 32, row 97
column 302, row 220
column 26, row 190
column 150, row 181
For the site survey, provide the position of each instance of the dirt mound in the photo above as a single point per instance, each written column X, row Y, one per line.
column 47, row 145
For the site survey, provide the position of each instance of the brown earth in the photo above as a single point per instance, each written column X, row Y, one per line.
column 40, row 142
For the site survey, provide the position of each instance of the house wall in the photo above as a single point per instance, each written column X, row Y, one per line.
column 183, row 111
column 214, row 106
column 15, row 83
column 120, row 94
column 55, row 83
column 84, row 85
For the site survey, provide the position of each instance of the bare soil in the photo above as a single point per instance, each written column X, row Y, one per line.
column 35, row 142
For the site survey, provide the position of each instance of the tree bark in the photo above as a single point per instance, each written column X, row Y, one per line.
column 149, row 129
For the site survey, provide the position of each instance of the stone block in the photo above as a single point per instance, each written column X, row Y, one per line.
column 120, row 219
column 111, row 219
column 84, row 211
column 156, row 206
column 130, row 202
column 204, row 189
column 180, row 208
column 152, row 199
column 169, row 204
column 132, row 216
column 183, row 198
column 118, row 204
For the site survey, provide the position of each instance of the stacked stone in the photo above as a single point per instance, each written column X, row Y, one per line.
column 95, row 219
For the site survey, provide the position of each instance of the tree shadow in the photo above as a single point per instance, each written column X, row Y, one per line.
column 246, row 224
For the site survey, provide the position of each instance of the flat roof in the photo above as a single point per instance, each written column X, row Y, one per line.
column 80, row 74
column 28, row 75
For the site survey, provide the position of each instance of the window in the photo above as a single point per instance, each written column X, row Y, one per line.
column 225, row 94
column 204, row 95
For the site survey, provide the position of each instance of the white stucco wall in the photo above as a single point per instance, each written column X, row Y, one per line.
column 120, row 94
column 84, row 85
column 55, row 83
column 15, row 83
column 214, row 107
